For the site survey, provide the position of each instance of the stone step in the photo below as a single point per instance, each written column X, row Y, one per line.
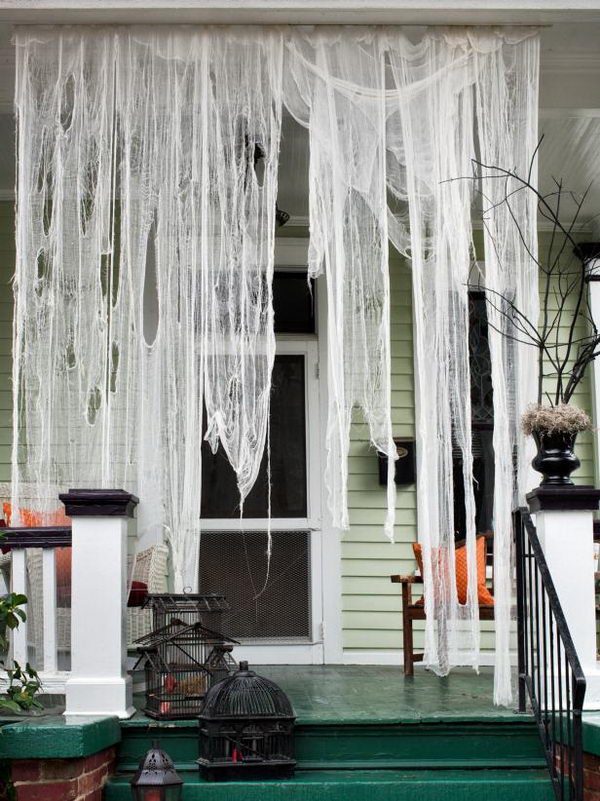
column 365, row 785
column 461, row 744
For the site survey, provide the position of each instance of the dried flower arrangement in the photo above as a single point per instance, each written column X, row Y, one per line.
column 562, row 418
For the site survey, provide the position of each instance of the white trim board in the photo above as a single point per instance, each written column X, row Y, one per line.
column 406, row 12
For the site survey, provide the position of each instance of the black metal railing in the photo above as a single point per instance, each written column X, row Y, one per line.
column 550, row 675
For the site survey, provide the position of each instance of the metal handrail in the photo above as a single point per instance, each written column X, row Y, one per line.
column 550, row 674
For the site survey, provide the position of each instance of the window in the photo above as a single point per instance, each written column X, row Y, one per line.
column 220, row 497
column 293, row 303
column 482, row 423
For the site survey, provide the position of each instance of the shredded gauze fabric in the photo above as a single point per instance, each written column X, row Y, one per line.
column 145, row 242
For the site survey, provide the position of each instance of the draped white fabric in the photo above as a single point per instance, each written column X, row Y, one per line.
column 145, row 258
column 335, row 86
column 481, row 97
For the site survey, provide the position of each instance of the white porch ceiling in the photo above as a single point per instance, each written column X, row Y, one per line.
column 569, row 94
column 381, row 12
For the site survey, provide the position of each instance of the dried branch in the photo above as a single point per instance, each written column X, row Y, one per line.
column 564, row 305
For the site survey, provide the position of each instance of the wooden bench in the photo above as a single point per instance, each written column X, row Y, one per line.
column 414, row 611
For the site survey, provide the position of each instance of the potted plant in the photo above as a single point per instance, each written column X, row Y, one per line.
column 565, row 335
column 554, row 430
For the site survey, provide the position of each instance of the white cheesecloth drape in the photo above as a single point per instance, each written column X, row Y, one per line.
column 145, row 260
column 145, row 242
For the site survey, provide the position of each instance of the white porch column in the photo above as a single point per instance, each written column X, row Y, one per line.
column 99, row 684
column 589, row 253
column 565, row 527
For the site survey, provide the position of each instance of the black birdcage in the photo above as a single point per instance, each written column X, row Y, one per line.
column 220, row 662
column 181, row 662
column 187, row 607
column 246, row 729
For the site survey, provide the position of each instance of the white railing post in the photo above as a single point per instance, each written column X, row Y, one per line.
column 99, row 684
column 49, row 610
column 19, row 585
column 564, row 518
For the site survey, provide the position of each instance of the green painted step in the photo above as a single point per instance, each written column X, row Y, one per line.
column 365, row 785
column 460, row 744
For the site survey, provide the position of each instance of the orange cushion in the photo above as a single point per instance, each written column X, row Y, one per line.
column 32, row 519
column 484, row 596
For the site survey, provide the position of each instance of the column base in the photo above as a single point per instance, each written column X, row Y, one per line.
column 591, row 701
column 99, row 697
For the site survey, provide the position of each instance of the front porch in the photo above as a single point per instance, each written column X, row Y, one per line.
column 360, row 730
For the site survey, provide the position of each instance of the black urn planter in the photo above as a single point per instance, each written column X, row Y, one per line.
column 555, row 459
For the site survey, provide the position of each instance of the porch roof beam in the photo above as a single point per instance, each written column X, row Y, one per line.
column 406, row 12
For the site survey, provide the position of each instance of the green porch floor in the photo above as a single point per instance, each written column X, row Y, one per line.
column 377, row 694
column 330, row 694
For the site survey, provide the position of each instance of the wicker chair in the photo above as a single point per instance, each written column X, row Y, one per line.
column 150, row 568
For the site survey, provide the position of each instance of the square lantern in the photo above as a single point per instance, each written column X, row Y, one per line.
column 246, row 729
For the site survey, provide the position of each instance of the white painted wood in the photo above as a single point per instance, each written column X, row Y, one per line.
column 19, row 585
column 259, row 524
column 360, row 657
column 280, row 654
column 567, row 539
column 331, row 537
column 99, row 684
column 50, row 661
column 406, row 12
column 594, row 303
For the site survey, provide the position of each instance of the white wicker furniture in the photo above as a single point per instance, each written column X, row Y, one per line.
column 149, row 567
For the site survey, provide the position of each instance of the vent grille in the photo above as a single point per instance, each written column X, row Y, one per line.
column 267, row 603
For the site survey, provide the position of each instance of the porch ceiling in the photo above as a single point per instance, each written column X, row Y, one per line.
column 407, row 12
column 570, row 66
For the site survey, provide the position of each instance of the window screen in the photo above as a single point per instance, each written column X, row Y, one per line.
column 275, row 608
column 220, row 498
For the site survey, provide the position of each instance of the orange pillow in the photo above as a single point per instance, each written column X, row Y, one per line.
column 32, row 519
column 484, row 596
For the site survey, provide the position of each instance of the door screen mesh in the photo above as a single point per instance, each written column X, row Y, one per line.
column 274, row 607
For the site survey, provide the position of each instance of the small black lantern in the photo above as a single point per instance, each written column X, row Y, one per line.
column 156, row 778
column 246, row 729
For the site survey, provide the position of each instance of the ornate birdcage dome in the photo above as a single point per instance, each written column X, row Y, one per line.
column 246, row 728
column 246, row 695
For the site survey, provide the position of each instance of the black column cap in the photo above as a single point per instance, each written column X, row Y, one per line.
column 565, row 499
column 99, row 503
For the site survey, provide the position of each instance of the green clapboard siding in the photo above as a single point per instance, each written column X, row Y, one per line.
column 371, row 605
